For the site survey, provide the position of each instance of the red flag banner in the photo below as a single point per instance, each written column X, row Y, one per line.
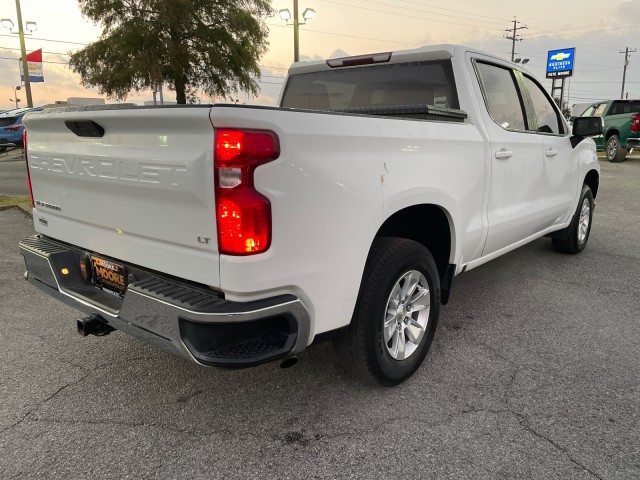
column 34, row 64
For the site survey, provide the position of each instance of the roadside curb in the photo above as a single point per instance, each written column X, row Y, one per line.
column 21, row 209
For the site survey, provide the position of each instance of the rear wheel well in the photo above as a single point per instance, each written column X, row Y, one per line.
column 425, row 224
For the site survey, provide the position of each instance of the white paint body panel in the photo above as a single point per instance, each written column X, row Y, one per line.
column 337, row 180
column 150, row 177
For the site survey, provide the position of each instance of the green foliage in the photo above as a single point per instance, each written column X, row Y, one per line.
column 209, row 45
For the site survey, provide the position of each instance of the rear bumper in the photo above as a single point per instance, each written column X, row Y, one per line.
column 633, row 142
column 188, row 320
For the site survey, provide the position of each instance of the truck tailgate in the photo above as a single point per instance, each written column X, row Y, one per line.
column 142, row 191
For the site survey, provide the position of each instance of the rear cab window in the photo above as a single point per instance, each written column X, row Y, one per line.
column 409, row 83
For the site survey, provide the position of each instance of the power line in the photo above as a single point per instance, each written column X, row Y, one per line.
column 44, row 51
column 501, row 20
column 44, row 61
column 46, row 40
column 386, row 12
column 433, row 13
column 343, row 35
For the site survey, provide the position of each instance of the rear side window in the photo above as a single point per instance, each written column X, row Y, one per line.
column 411, row 83
column 547, row 119
column 501, row 96
column 620, row 108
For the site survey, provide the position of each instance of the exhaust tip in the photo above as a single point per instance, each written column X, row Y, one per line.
column 289, row 362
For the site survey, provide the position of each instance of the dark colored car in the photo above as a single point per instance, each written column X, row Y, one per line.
column 11, row 127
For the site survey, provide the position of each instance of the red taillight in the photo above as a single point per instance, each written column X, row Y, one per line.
column 15, row 128
column 26, row 161
column 635, row 126
column 242, row 213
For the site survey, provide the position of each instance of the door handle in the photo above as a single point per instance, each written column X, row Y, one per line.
column 550, row 152
column 504, row 154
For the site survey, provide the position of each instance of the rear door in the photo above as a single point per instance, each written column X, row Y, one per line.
column 132, row 184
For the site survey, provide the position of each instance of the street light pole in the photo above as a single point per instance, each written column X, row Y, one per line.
column 23, row 51
column 15, row 95
column 285, row 15
column 296, row 33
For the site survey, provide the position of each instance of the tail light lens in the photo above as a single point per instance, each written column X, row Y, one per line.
column 26, row 161
column 15, row 128
column 243, row 215
column 635, row 125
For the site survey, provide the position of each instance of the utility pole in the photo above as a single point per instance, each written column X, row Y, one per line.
column 624, row 71
column 515, row 36
column 23, row 50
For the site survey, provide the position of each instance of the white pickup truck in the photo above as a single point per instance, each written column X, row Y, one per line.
column 235, row 235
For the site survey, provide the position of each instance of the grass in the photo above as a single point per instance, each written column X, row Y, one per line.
column 7, row 200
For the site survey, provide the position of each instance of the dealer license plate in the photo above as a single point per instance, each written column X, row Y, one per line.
column 109, row 276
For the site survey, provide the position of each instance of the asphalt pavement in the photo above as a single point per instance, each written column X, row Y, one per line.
column 534, row 373
column 13, row 173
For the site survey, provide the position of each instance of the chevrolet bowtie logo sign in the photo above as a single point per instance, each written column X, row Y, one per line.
column 560, row 63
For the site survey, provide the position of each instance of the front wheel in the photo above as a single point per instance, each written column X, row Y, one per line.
column 580, row 226
column 396, row 313
column 615, row 152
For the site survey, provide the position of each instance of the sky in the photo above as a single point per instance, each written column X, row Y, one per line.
column 598, row 30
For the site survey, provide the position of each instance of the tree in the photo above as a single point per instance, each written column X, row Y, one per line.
column 566, row 111
column 208, row 45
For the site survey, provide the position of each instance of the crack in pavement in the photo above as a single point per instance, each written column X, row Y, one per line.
column 523, row 422
column 88, row 373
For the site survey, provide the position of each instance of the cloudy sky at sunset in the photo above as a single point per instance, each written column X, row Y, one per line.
column 598, row 30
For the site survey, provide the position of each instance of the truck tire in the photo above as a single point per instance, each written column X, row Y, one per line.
column 614, row 151
column 580, row 227
column 396, row 313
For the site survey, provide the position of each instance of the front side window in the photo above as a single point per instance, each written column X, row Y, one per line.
column 595, row 111
column 501, row 96
column 547, row 118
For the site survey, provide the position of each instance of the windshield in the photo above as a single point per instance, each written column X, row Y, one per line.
column 410, row 83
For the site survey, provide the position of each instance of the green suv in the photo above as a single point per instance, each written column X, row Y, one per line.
column 617, row 137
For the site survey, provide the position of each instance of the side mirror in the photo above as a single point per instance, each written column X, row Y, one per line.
column 587, row 126
column 572, row 118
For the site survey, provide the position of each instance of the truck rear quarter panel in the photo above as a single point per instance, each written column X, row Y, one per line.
column 337, row 179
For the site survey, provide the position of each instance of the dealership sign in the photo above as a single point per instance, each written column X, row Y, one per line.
column 560, row 62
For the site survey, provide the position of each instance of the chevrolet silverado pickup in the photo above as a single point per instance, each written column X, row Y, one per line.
column 235, row 235
column 617, row 137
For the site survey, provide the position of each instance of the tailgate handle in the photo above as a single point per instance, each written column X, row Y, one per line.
column 85, row 128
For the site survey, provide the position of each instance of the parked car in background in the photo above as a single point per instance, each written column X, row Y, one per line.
column 617, row 126
column 11, row 127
